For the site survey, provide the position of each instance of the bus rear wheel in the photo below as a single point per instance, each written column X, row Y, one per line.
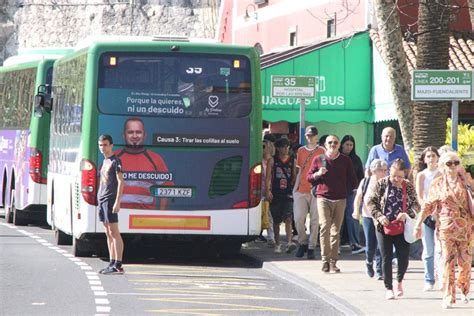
column 80, row 248
column 8, row 208
column 62, row 238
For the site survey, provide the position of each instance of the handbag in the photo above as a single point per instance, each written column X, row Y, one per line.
column 394, row 228
column 409, row 228
column 397, row 227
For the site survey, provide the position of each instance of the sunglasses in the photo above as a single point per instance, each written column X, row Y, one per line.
column 333, row 142
column 452, row 162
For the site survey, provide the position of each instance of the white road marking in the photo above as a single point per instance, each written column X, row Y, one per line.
column 102, row 301
column 103, row 309
column 100, row 293
column 97, row 288
column 86, row 267
column 94, row 282
column 92, row 277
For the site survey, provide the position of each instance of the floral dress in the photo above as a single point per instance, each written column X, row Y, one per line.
column 454, row 226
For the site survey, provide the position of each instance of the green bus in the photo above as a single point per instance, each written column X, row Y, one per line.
column 185, row 118
column 24, row 135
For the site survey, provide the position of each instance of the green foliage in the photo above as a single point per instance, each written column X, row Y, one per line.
column 465, row 142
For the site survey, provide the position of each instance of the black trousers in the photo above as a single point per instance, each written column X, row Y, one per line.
column 402, row 249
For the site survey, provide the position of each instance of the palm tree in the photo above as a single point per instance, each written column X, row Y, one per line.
column 432, row 53
column 394, row 56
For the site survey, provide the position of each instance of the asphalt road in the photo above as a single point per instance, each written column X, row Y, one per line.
column 40, row 278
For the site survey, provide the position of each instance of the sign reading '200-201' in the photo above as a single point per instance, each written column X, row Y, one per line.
column 442, row 85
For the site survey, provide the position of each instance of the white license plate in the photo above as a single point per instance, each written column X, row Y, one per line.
column 175, row 192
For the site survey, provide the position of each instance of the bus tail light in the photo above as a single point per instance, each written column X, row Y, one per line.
column 255, row 185
column 36, row 162
column 89, row 182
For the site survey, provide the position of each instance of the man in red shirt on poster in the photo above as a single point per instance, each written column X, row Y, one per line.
column 142, row 169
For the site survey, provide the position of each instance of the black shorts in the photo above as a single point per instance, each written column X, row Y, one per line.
column 105, row 212
column 281, row 208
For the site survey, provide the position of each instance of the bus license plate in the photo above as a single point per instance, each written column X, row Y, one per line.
column 175, row 192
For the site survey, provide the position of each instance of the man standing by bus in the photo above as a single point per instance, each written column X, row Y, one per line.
column 139, row 160
column 109, row 195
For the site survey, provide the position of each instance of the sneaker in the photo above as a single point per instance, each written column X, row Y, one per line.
column 261, row 239
column 271, row 243
column 399, row 291
column 389, row 295
column 277, row 249
column 325, row 267
column 356, row 249
column 428, row 287
column 311, row 254
column 446, row 304
column 465, row 298
column 113, row 270
column 301, row 251
column 290, row 247
column 333, row 268
column 101, row 271
column 379, row 277
column 370, row 269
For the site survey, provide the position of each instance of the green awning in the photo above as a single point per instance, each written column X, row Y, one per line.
column 343, row 72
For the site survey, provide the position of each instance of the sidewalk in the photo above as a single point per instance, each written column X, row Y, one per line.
column 352, row 291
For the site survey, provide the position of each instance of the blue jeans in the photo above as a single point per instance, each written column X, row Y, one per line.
column 371, row 246
column 428, row 253
column 351, row 223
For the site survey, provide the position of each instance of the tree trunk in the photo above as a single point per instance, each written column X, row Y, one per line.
column 471, row 13
column 394, row 56
column 433, row 53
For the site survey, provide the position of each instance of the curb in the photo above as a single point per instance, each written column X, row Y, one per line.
column 339, row 304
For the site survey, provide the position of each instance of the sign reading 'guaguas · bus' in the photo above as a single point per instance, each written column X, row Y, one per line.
column 442, row 85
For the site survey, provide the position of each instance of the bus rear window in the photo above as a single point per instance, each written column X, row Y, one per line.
column 160, row 84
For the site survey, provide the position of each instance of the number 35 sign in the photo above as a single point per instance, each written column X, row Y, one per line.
column 293, row 86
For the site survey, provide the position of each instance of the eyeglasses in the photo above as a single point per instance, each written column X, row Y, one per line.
column 452, row 162
column 333, row 142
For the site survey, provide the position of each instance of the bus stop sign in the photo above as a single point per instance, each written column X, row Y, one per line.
column 438, row 85
column 293, row 86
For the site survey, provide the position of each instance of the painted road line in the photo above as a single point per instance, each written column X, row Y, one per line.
column 94, row 282
column 237, row 307
column 102, row 301
column 100, row 293
column 86, row 267
column 103, row 309
column 97, row 288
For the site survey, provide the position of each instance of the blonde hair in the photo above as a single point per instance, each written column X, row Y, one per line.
column 268, row 144
column 445, row 149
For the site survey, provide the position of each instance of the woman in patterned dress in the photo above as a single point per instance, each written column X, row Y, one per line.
column 448, row 201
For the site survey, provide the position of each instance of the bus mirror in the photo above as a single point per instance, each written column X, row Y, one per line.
column 48, row 104
column 39, row 105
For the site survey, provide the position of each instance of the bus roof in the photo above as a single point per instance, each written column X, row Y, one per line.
column 36, row 55
column 91, row 40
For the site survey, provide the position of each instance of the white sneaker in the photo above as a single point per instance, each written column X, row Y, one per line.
column 446, row 304
column 291, row 246
column 464, row 298
column 389, row 295
column 428, row 287
column 277, row 248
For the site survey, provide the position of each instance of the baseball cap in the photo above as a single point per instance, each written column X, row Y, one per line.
column 311, row 130
column 282, row 142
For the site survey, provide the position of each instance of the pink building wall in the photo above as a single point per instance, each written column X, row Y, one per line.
column 270, row 24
